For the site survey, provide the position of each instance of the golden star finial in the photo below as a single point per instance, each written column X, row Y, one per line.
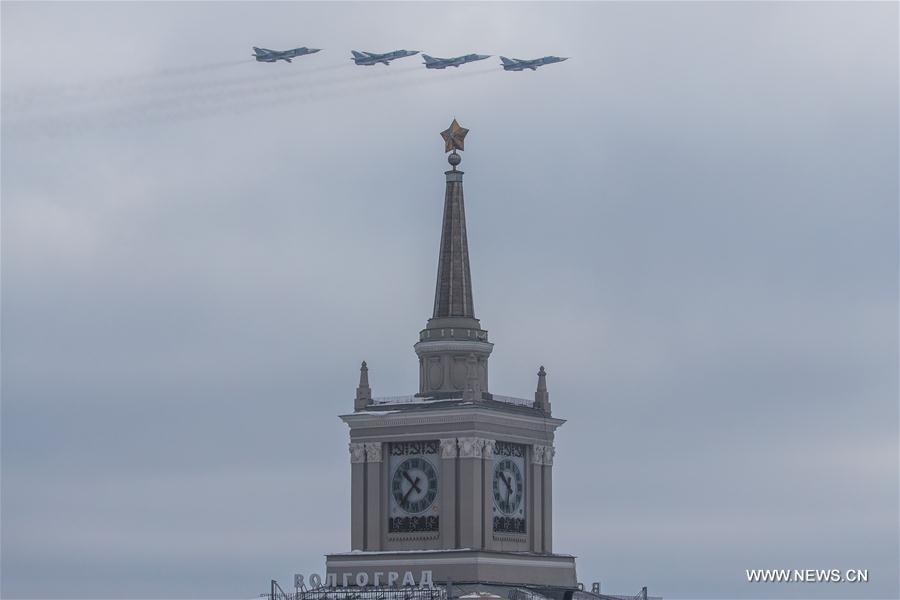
column 454, row 137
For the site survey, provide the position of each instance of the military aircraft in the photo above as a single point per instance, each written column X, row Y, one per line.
column 266, row 55
column 432, row 62
column 518, row 64
column 370, row 58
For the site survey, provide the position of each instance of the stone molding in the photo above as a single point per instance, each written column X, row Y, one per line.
column 543, row 455
column 429, row 346
column 390, row 419
column 410, row 537
column 448, row 448
column 511, row 537
column 357, row 453
column 373, row 452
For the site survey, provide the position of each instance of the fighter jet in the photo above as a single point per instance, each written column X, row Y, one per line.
column 266, row 55
column 432, row 62
column 518, row 64
column 370, row 58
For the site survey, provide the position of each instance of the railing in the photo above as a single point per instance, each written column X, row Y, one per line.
column 400, row 400
column 443, row 592
column 350, row 593
column 512, row 400
column 386, row 400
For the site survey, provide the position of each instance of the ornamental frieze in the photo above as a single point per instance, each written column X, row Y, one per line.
column 509, row 525
column 413, row 524
column 403, row 448
column 508, row 449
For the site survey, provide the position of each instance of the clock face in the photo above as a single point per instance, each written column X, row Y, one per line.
column 414, row 485
column 509, row 487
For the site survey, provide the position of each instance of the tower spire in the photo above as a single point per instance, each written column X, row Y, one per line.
column 453, row 349
column 453, row 292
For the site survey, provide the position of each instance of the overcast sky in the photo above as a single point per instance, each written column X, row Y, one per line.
column 692, row 223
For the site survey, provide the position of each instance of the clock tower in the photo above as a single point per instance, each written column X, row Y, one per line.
column 453, row 482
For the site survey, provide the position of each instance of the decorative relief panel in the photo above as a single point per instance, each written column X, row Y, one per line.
column 357, row 453
column 488, row 450
column 458, row 373
column 543, row 455
column 373, row 452
column 435, row 372
column 470, row 447
column 549, row 453
column 448, row 448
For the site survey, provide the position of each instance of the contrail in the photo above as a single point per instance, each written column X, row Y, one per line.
column 149, row 85
column 211, row 103
column 63, row 92
column 174, row 92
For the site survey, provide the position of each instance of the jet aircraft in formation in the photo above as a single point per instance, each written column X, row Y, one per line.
column 518, row 64
column 370, row 58
column 431, row 62
column 266, row 55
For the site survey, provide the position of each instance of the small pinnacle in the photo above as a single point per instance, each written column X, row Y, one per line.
column 541, row 397
column 363, row 391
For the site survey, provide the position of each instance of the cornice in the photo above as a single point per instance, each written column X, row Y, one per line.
column 450, row 416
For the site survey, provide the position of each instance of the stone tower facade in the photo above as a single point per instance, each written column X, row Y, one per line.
column 452, row 481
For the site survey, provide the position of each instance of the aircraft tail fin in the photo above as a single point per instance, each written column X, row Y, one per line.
column 507, row 61
column 429, row 59
column 357, row 54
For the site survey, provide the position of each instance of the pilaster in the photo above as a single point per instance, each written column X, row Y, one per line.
column 536, row 489
column 374, row 488
column 357, row 496
column 448, row 494
column 487, row 494
column 549, row 453
column 471, row 494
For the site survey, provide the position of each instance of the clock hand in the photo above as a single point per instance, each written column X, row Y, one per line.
column 409, row 479
column 508, row 483
column 411, row 488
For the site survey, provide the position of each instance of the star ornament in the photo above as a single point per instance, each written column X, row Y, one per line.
column 454, row 137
